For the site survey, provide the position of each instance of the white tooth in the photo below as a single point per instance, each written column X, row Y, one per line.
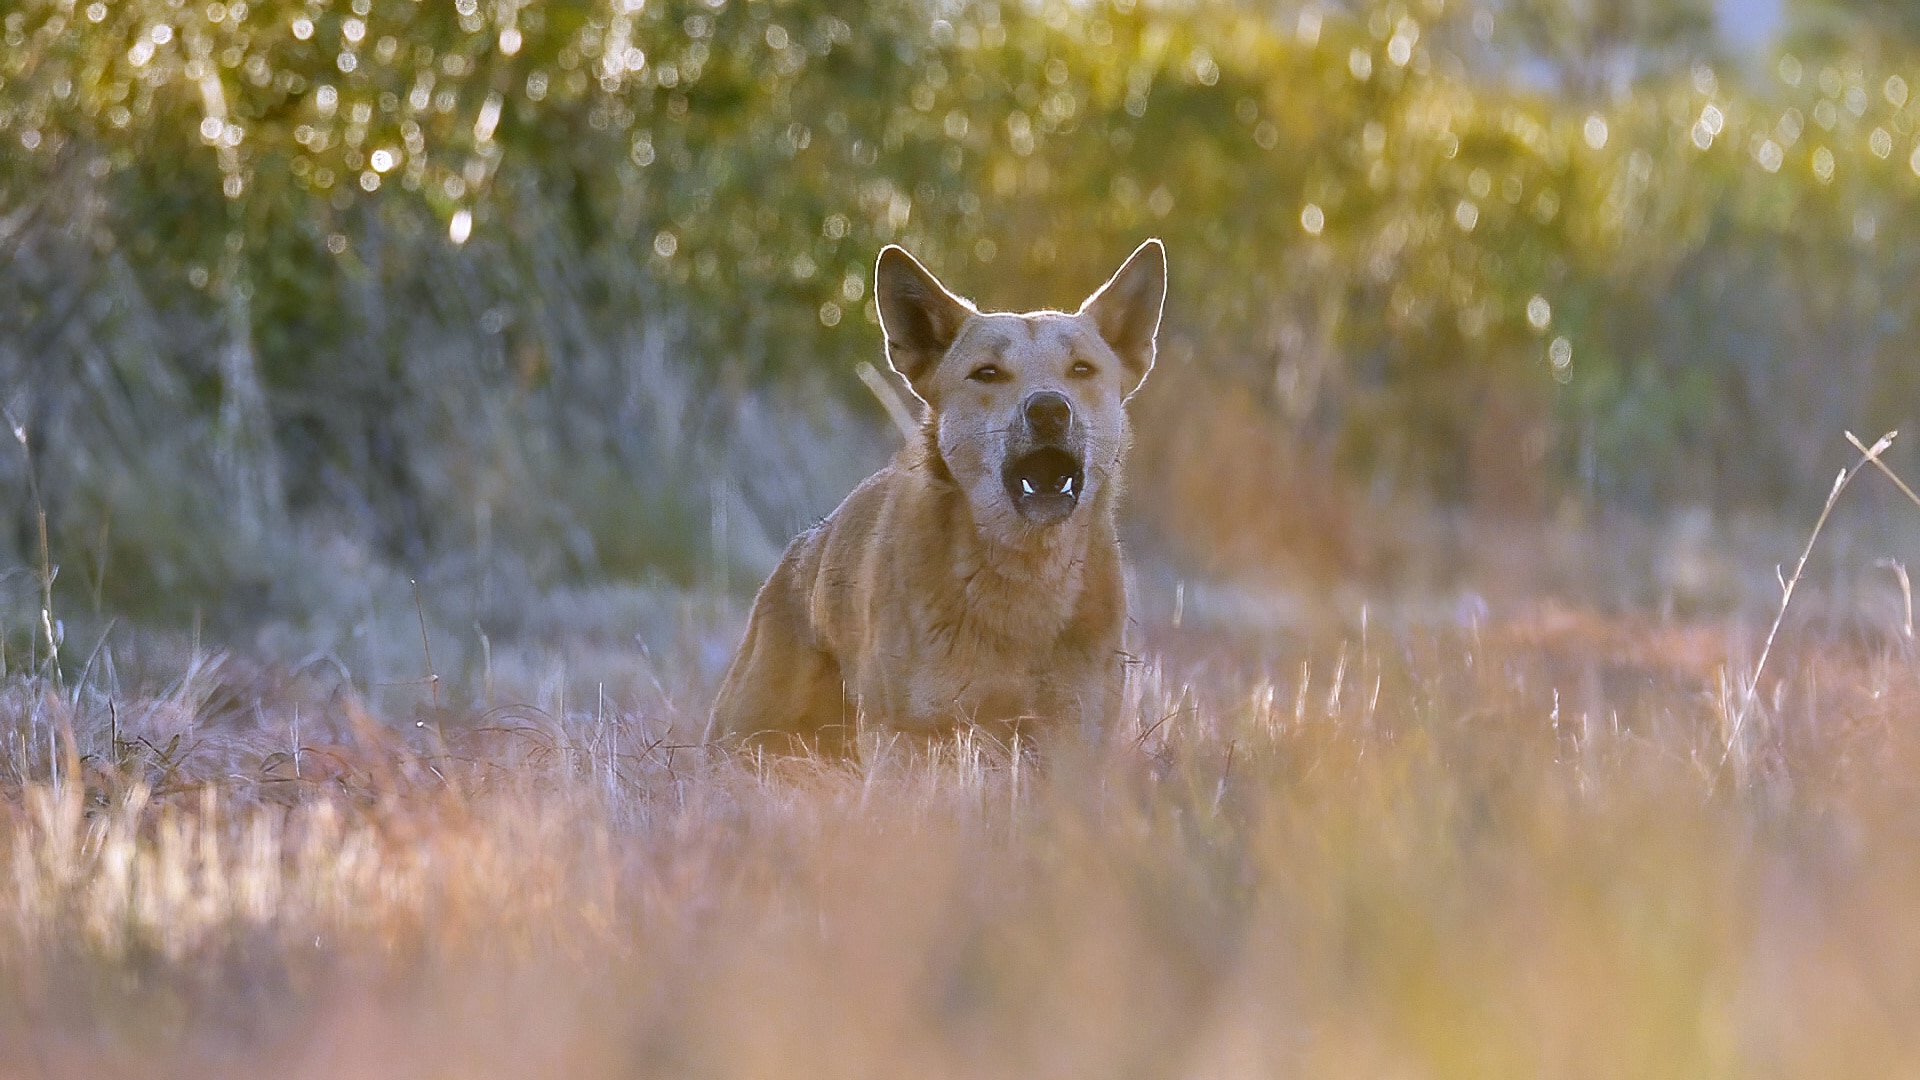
column 1026, row 486
column 1066, row 485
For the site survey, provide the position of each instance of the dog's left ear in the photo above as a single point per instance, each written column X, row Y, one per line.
column 1127, row 308
column 917, row 313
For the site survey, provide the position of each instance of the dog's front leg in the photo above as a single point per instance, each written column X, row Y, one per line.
column 782, row 691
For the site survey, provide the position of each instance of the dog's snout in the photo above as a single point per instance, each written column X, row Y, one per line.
column 1048, row 414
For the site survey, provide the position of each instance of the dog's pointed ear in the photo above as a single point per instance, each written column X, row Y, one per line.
column 918, row 315
column 1127, row 308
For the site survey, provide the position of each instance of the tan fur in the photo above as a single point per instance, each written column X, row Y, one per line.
column 938, row 594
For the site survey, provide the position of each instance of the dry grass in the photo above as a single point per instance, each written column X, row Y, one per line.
column 1503, row 848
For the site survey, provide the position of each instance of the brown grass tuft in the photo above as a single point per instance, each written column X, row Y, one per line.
column 1491, row 850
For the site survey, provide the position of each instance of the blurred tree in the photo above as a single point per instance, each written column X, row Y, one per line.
column 381, row 261
column 1833, row 25
column 1601, row 49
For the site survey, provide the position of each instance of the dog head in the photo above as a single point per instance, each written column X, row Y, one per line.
column 1026, row 410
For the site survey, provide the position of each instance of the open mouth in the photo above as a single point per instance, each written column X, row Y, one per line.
column 1044, row 484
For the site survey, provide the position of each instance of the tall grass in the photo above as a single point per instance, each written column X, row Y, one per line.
column 1486, row 849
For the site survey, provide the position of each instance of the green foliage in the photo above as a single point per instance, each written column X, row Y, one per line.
column 1860, row 24
column 1596, row 47
column 1367, row 221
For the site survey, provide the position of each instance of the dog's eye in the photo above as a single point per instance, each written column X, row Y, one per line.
column 986, row 373
column 1081, row 368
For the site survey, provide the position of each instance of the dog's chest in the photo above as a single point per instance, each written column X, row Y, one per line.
column 1012, row 603
column 980, row 683
column 939, row 699
column 1004, row 646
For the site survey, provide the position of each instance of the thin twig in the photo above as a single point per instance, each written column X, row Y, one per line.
column 1787, row 586
column 890, row 400
column 47, row 570
column 1899, row 569
column 433, row 678
column 87, row 672
column 1906, row 591
column 1882, row 466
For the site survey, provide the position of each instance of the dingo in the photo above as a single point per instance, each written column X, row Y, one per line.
column 977, row 578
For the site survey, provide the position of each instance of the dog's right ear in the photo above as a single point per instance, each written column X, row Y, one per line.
column 1127, row 309
column 917, row 313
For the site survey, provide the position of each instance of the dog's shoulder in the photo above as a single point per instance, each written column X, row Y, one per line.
column 881, row 506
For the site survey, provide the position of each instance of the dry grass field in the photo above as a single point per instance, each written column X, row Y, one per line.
column 400, row 400
column 1531, row 841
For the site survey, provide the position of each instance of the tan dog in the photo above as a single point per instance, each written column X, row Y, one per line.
column 977, row 578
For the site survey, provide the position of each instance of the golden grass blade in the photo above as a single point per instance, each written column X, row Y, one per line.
column 1882, row 466
column 1839, row 485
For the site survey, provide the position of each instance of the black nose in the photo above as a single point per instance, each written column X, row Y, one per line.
column 1048, row 414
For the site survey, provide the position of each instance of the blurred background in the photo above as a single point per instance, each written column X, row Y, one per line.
column 558, row 309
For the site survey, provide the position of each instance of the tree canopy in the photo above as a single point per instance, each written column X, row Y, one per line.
column 1379, row 219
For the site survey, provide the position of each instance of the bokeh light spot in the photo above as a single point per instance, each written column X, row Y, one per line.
column 1596, row 131
column 1560, row 357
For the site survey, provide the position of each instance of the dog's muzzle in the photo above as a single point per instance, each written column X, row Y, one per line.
column 1044, row 475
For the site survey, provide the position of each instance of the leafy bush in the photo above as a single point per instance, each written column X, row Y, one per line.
column 249, row 226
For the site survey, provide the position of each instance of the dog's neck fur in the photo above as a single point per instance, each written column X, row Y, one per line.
column 1023, row 588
